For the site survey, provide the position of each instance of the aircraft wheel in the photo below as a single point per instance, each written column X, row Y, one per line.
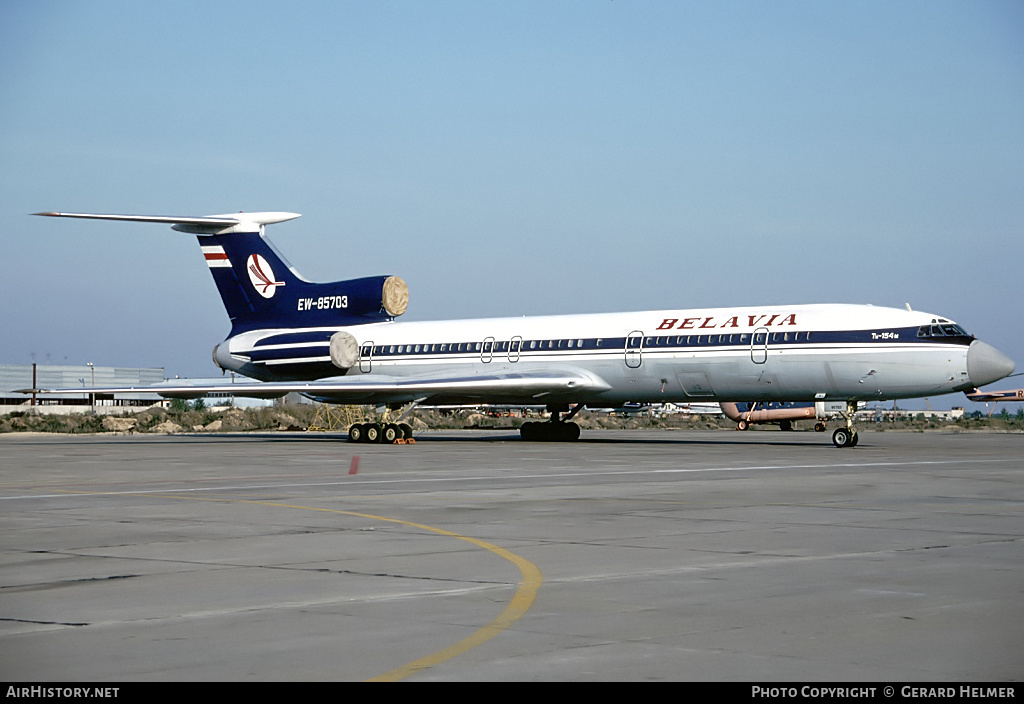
column 786, row 426
column 855, row 439
column 373, row 432
column 390, row 434
column 549, row 432
column 742, row 425
column 406, row 431
column 356, row 433
column 819, row 427
column 565, row 432
column 842, row 437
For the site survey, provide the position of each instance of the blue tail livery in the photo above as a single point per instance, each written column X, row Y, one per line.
column 260, row 289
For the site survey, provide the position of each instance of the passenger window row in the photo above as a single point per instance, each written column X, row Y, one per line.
column 517, row 346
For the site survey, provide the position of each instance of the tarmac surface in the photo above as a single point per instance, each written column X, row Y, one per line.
column 472, row 555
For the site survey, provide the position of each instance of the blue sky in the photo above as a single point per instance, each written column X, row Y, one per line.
column 510, row 158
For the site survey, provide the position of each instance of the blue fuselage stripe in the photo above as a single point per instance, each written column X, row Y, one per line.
column 308, row 346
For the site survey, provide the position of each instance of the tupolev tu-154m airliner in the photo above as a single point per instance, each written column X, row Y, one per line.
column 338, row 343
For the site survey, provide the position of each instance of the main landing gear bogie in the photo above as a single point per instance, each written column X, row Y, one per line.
column 556, row 429
column 383, row 433
column 549, row 431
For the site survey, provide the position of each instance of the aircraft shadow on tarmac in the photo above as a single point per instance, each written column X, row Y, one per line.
column 472, row 436
column 512, row 436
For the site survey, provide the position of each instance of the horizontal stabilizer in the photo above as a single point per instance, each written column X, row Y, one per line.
column 219, row 224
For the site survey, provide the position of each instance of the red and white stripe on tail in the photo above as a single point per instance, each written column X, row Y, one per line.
column 216, row 257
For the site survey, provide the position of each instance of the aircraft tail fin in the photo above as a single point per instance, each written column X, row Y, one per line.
column 260, row 288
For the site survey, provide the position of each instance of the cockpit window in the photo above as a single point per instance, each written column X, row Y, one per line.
column 944, row 330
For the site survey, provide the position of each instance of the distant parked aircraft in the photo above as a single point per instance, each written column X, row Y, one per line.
column 781, row 412
column 995, row 397
column 1008, row 395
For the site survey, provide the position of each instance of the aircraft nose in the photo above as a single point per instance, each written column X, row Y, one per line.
column 986, row 364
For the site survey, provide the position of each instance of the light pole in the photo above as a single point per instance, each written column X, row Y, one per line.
column 92, row 383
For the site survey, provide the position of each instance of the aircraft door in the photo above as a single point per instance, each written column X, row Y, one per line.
column 759, row 346
column 514, row 345
column 487, row 350
column 634, row 349
column 366, row 357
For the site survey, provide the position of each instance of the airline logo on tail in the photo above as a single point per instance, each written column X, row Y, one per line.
column 262, row 276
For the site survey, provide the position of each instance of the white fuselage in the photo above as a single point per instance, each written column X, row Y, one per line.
column 805, row 352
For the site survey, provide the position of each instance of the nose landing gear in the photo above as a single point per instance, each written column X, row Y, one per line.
column 847, row 437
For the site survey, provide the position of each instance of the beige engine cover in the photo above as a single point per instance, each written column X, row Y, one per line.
column 344, row 350
column 395, row 296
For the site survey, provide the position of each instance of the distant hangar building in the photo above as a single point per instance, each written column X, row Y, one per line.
column 46, row 376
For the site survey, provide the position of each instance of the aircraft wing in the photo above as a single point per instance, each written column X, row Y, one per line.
column 538, row 386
